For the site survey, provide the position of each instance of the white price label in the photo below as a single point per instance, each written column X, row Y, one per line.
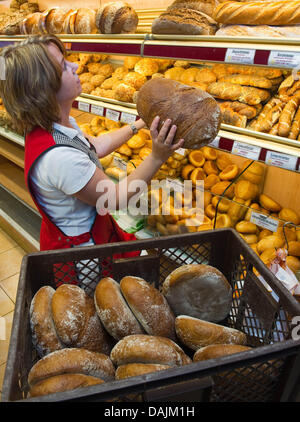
column 245, row 150
column 175, row 184
column 118, row 162
column 128, row 118
column 240, row 55
column 2, row 329
column 278, row 159
column 215, row 142
column 83, row 106
column 97, row 110
column 181, row 151
column 284, row 59
column 112, row 114
column 263, row 220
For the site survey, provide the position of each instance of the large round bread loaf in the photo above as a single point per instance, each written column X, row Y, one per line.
column 195, row 112
column 113, row 310
column 116, row 18
column 196, row 333
column 198, row 290
column 142, row 348
column 149, row 306
column 76, row 320
column 60, row 383
column 72, row 361
column 44, row 336
column 135, row 369
column 214, row 351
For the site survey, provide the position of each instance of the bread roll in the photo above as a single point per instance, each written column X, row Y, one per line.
column 195, row 113
column 141, row 348
column 258, row 13
column 215, row 351
column 149, row 306
column 135, row 369
column 116, row 18
column 60, row 383
column 269, row 203
column 290, row 215
column 196, row 333
column 76, row 320
column 198, row 290
column 113, row 310
column 72, row 361
column 184, row 22
column 44, row 336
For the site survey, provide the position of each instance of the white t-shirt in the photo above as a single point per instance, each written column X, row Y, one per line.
column 56, row 176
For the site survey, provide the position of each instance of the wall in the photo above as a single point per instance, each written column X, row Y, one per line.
column 137, row 4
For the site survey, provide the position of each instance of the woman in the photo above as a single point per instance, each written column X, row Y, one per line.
column 62, row 168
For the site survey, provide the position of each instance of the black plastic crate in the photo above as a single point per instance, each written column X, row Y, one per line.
column 268, row 372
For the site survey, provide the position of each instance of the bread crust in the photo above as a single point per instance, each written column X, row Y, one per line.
column 135, row 369
column 149, row 306
column 85, row 21
column 116, row 18
column 214, row 351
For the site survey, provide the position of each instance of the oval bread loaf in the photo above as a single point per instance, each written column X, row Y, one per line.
column 135, row 369
column 149, row 306
column 198, row 290
column 44, row 336
column 196, row 333
column 214, row 351
column 142, row 348
column 116, row 18
column 72, row 361
column 76, row 320
column 113, row 310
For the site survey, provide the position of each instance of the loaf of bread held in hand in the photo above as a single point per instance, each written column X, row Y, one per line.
column 142, row 348
column 198, row 290
column 116, row 18
column 258, row 13
column 196, row 333
column 195, row 113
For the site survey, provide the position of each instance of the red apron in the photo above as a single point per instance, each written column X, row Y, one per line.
column 104, row 229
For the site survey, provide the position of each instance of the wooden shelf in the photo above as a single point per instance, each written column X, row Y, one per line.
column 12, row 152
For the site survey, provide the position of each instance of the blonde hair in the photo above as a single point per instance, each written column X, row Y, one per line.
column 32, row 80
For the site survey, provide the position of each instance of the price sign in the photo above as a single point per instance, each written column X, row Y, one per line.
column 244, row 150
column 113, row 115
column 68, row 45
column 288, row 59
column 263, row 220
column 240, row 55
column 181, row 151
column 95, row 109
column 83, row 106
column 118, row 162
column 281, row 160
column 128, row 118
column 215, row 142
column 175, row 184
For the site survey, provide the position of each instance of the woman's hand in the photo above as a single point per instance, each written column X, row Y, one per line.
column 162, row 141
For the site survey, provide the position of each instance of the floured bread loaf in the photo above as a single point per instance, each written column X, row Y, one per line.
column 113, row 311
column 218, row 350
column 195, row 112
column 184, row 22
column 76, row 320
column 53, row 20
column 44, row 336
column 85, row 21
column 198, row 290
column 142, row 348
column 196, row 333
column 135, row 369
column 149, row 306
column 116, row 18
column 204, row 6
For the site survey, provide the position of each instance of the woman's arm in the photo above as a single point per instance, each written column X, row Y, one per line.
column 162, row 148
column 107, row 143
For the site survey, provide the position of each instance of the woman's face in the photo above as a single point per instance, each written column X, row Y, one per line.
column 70, row 84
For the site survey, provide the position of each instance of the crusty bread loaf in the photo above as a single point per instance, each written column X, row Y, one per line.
column 53, row 21
column 244, row 94
column 258, row 13
column 231, row 117
column 60, row 383
column 72, row 361
column 85, row 21
column 198, row 290
column 184, row 22
column 222, row 69
column 113, row 310
column 195, row 113
column 142, row 348
column 204, row 6
column 149, row 306
column 287, row 116
column 76, row 320
column 196, row 333
column 214, row 351
column 44, row 336
column 249, row 80
column 259, row 31
column 135, row 369
column 116, row 18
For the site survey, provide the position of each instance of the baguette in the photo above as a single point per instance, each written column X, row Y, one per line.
column 258, row 13
column 256, row 125
column 271, row 118
column 274, row 129
column 249, row 80
column 287, row 116
column 244, row 94
column 295, row 128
